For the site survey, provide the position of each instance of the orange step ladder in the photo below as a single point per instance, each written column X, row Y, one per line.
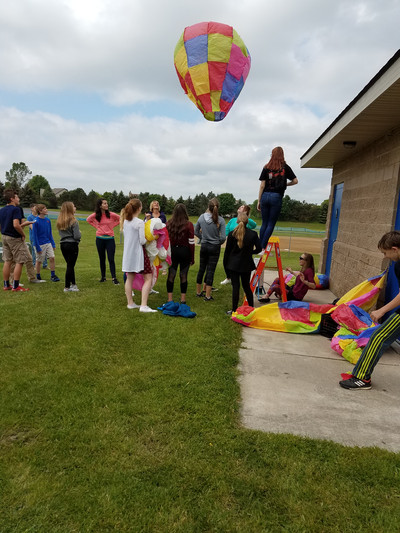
column 272, row 243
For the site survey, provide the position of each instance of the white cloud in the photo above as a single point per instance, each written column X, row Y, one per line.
column 309, row 60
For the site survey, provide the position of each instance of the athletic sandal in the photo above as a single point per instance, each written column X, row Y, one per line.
column 355, row 384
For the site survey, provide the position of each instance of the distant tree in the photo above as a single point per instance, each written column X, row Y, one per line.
column 92, row 198
column 190, row 207
column 17, row 175
column 163, row 203
column 77, row 196
column 201, row 203
column 144, row 198
column 49, row 198
column 122, row 200
column 170, row 206
column 227, row 203
column 1, row 192
column 27, row 196
column 211, row 195
column 38, row 182
column 323, row 211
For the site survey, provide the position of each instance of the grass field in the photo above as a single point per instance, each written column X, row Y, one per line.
column 111, row 420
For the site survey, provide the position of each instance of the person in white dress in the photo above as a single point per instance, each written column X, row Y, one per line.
column 135, row 259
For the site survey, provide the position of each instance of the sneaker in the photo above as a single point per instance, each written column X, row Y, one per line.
column 74, row 288
column 214, row 289
column 133, row 306
column 229, row 313
column 208, row 299
column 147, row 309
column 115, row 281
column 7, row 288
column 102, row 280
column 225, row 282
column 264, row 300
column 20, row 289
column 200, row 295
column 355, row 384
column 55, row 278
column 67, row 289
column 154, row 292
column 37, row 281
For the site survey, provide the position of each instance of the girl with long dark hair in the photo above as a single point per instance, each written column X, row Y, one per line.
column 105, row 221
column 181, row 236
column 275, row 177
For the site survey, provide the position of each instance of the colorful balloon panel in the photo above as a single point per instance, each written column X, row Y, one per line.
column 212, row 64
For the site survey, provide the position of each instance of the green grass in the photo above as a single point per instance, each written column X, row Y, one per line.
column 115, row 421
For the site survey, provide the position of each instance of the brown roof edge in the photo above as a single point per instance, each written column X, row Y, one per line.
column 386, row 67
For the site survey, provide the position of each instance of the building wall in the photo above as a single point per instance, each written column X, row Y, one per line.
column 368, row 210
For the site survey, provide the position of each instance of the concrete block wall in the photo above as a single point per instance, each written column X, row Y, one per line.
column 368, row 210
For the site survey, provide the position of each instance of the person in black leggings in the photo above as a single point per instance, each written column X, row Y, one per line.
column 70, row 237
column 181, row 235
column 241, row 244
column 210, row 228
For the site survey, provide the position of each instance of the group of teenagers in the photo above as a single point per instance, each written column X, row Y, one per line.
column 242, row 242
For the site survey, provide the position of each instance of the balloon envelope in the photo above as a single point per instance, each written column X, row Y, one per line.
column 212, row 63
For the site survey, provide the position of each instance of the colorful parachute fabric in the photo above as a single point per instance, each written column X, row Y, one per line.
column 350, row 312
column 212, row 64
column 321, row 281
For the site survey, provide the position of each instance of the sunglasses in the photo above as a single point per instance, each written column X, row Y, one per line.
column 302, row 258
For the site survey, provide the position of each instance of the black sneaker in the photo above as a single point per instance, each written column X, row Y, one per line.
column 208, row 299
column 229, row 313
column 200, row 295
column 214, row 289
column 355, row 384
column 102, row 280
column 115, row 281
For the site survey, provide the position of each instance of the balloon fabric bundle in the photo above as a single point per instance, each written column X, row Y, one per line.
column 212, row 64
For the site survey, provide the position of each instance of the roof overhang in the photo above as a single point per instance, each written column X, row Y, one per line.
column 373, row 113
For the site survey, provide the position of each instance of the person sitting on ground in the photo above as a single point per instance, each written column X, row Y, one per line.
column 304, row 281
column 44, row 242
column 232, row 225
column 383, row 337
column 241, row 244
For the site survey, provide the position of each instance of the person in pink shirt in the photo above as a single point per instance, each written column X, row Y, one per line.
column 105, row 221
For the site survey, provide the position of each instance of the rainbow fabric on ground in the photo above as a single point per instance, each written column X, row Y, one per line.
column 302, row 317
column 212, row 64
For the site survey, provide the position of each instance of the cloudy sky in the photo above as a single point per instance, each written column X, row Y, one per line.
column 89, row 96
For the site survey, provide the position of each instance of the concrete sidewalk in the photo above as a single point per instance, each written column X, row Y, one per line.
column 289, row 384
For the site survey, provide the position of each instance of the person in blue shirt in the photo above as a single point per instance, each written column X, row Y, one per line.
column 44, row 242
column 13, row 236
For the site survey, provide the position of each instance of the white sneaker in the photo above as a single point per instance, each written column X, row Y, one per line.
column 67, row 289
column 226, row 281
column 147, row 309
column 74, row 288
column 133, row 306
column 153, row 292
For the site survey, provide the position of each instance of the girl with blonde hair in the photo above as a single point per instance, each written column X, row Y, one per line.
column 241, row 244
column 70, row 237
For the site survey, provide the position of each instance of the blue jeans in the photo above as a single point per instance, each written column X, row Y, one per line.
column 271, row 204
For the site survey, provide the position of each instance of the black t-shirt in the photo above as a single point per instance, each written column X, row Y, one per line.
column 276, row 180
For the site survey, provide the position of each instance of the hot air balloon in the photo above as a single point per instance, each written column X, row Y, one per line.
column 212, row 63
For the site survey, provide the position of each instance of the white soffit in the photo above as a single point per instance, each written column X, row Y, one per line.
column 371, row 115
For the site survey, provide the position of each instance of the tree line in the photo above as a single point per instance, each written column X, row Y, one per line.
column 35, row 189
